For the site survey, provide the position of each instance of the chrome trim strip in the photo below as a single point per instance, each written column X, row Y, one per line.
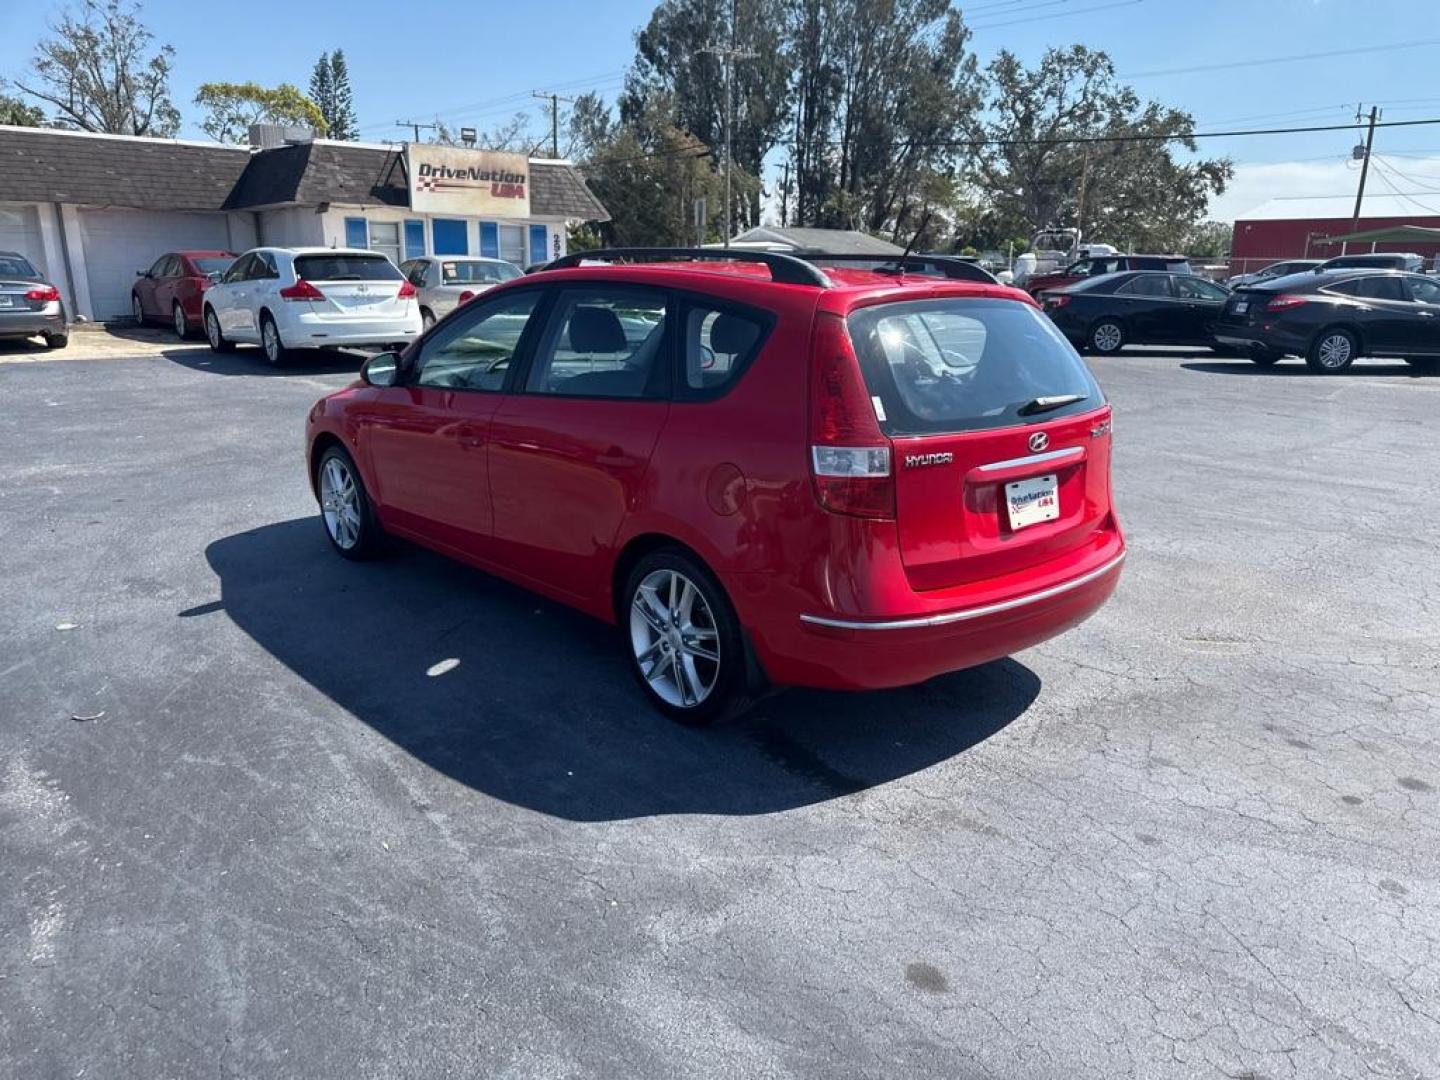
column 968, row 613
column 1036, row 459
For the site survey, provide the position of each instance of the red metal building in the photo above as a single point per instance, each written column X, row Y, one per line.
column 1292, row 228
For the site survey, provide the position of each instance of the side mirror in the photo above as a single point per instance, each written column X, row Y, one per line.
column 142, row 273
column 382, row 369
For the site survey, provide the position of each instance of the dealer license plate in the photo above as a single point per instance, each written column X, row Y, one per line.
column 1033, row 501
column 1242, row 306
column 6, row 300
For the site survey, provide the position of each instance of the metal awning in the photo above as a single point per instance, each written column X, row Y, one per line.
column 1395, row 234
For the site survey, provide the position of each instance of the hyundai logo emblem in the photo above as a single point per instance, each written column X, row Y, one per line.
column 1039, row 441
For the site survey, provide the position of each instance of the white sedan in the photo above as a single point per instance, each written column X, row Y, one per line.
column 311, row 298
column 444, row 282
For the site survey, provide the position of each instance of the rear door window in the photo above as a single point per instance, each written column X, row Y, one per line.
column 949, row 365
column 1147, row 285
column 717, row 345
column 345, row 268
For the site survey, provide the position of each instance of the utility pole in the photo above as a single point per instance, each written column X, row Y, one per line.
column 1084, row 180
column 554, row 100
column 415, row 126
column 728, row 55
column 785, row 196
column 1364, row 164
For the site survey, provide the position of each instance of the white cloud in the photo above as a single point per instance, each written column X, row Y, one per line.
column 1256, row 184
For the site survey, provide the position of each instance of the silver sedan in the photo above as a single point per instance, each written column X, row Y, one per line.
column 444, row 282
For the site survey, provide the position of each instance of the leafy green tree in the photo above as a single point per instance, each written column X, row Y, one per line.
column 330, row 90
column 1066, row 144
column 100, row 73
column 230, row 109
column 1209, row 240
column 16, row 113
column 675, row 60
column 648, row 172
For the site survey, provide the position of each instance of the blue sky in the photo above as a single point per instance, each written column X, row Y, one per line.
column 476, row 63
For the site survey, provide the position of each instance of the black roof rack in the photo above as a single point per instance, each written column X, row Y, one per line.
column 953, row 267
column 786, row 269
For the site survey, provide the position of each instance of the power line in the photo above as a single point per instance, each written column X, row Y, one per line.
column 1281, row 59
column 1058, row 15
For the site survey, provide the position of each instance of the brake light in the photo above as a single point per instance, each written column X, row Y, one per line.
column 849, row 454
column 466, row 296
column 45, row 294
column 1285, row 300
column 1056, row 301
column 407, row 291
column 301, row 290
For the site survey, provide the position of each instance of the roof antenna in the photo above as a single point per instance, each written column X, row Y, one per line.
column 925, row 220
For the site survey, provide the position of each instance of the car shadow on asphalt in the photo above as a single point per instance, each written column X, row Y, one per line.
column 249, row 360
column 533, row 703
column 1291, row 367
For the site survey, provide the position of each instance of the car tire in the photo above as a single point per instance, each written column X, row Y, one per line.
column 217, row 340
column 685, row 645
column 1333, row 350
column 1106, row 337
column 57, row 341
column 1264, row 357
column 270, row 343
column 178, row 322
column 427, row 319
column 137, row 309
column 346, row 512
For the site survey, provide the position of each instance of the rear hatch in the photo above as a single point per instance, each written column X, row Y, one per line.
column 1246, row 307
column 352, row 287
column 1000, row 434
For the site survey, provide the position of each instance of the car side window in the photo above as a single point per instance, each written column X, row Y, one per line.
column 473, row 351
column 603, row 341
column 239, row 269
column 157, row 268
column 1079, row 269
column 1382, row 288
column 1423, row 291
column 265, row 267
column 1191, row 288
column 718, row 344
column 1153, row 285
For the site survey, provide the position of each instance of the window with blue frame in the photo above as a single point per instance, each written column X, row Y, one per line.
column 448, row 237
column 356, row 234
column 489, row 240
column 414, row 239
column 539, row 245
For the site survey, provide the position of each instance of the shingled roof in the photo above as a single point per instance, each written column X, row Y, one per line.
column 39, row 165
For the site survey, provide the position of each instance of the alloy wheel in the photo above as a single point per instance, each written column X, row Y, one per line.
column 674, row 638
column 180, row 325
column 1107, row 337
column 340, row 503
column 137, row 310
column 1334, row 351
column 212, row 329
column 273, row 347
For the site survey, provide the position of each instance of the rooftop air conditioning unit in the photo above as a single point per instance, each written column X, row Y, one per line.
column 270, row 136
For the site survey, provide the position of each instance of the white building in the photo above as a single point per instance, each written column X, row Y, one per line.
column 91, row 210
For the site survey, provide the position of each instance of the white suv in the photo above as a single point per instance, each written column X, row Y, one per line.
column 310, row 298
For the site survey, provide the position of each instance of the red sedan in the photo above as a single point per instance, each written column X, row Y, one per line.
column 836, row 478
column 170, row 290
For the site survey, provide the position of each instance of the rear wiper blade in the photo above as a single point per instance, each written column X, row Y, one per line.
column 1046, row 404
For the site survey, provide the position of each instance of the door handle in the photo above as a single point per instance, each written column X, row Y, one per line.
column 614, row 458
column 470, row 438
column 1426, row 314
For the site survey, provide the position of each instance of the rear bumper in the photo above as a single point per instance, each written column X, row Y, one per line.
column 23, row 324
column 1252, row 337
column 838, row 653
column 308, row 331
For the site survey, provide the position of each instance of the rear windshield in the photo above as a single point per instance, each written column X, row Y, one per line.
column 485, row 273
column 345, row 268
column 13, row 266
column 213, row 264
column 958, row 365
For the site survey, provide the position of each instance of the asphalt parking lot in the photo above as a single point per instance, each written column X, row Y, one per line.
column 1195, row 837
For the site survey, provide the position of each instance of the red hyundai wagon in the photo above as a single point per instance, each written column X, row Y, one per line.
column 765, row 472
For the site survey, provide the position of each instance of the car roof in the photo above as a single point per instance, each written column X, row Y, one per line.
column 1315, row 279
column 849, row 286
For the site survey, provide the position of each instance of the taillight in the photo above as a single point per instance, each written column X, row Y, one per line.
column 1056, row 301
column 45, row 294
column 466, row 296
column 849, row 455
column 407, row 291
column 301, row 290
column 1285, row 300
